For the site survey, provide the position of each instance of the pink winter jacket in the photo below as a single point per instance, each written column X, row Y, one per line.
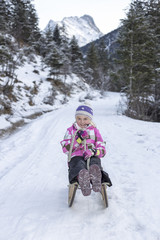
column 94, row 142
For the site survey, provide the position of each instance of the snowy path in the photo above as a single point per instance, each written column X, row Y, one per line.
column 33, row 180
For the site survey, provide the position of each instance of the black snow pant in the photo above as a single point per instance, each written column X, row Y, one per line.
column 78, row 163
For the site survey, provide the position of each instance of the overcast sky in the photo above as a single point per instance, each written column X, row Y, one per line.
column 106, row 13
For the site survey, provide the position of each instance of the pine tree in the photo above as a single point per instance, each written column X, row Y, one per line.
column 18, row 19
column 54, row 59
column 4, row 16
column 10, row 57
column 135, row 57
column 24, row 25
column 49, row 35
column 103, row 65
column 76, row 57
column 153, row 18
column 32, row 22
column 42, row 46
column 57, row 35
column 133, row 51
column 65, row 48
column 4, row 53
column 92, row 63
column 103, row 56
column 46, row 42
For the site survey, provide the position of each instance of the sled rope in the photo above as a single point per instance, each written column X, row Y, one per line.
column 71, row 148
column 88, row 160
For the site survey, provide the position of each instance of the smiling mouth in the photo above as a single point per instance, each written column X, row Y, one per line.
column 84, row 125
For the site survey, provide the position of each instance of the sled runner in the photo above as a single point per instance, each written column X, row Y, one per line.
column 73, row 188
column 71, row 193
column 104, row 194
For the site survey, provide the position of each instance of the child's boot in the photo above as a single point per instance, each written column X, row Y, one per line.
column 84, row 182
column 95, row 176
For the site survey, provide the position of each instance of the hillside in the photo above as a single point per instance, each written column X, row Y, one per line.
column 110, row 41
column 34, row 93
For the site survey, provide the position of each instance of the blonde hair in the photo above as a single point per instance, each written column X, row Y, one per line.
column 93, row 124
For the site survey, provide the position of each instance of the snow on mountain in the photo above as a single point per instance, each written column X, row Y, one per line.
column 83, row 28
column 109, row 39
column 34, row 179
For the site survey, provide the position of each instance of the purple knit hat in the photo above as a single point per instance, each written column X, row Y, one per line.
column 85, row 110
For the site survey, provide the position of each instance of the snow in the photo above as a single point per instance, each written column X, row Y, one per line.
column 4, row 123
column 32, row 91
column 83, row 28
column 33, row 180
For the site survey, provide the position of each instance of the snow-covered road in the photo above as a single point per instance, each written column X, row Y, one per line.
column 33, row 180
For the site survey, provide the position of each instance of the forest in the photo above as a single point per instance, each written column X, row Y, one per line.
column 133, row 69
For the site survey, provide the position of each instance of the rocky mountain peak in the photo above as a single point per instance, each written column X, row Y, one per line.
column 83, row 28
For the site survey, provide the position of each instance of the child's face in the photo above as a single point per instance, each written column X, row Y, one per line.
column 83, row 121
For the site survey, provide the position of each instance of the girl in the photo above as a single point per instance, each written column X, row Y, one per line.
column 84, row 146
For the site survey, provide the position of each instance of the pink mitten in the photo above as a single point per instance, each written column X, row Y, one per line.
column 84, row 134
column 87, row 154
column 81, row 135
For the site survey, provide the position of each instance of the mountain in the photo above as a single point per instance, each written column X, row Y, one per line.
column 83, row 28
column 110, row 40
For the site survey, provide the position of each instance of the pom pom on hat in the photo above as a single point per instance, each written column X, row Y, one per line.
column 85, row 109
